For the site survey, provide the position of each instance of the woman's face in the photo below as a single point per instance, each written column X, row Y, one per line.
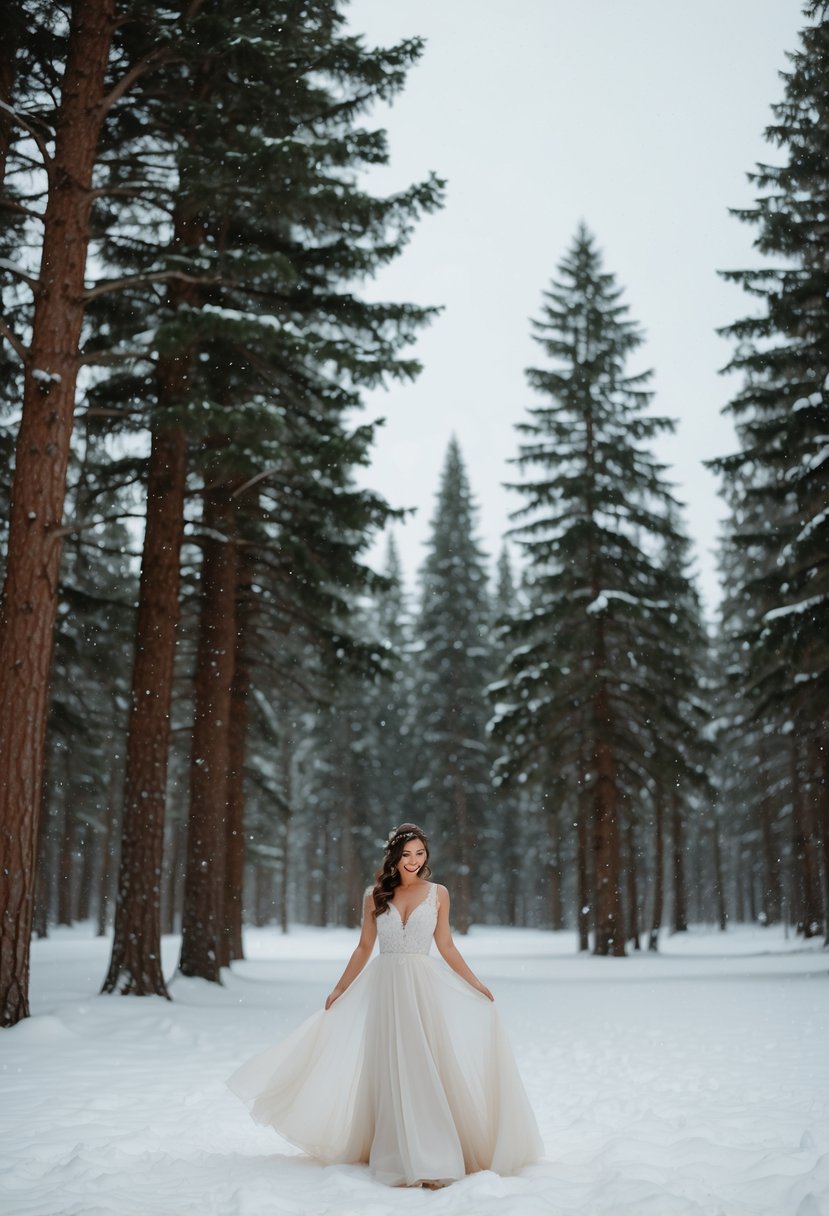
column 412, row 859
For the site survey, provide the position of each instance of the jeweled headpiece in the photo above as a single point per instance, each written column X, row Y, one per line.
column 394, row 836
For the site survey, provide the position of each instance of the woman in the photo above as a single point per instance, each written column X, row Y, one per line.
column 407, row 1068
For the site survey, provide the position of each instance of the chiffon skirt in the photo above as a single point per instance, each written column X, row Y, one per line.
column 409, row 1071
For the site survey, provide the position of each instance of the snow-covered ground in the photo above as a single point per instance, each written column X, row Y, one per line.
column 690, row 1083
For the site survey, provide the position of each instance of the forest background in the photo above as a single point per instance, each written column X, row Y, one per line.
column 214, row 699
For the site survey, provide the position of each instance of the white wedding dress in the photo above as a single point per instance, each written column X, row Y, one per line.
column 409, row 1071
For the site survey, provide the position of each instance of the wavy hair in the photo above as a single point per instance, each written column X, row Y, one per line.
column 387, row 877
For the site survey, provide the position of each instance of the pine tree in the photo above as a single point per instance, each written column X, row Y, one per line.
column 780, row 476
column 29, row 600
column 593, row 655
column 454, row 662
column 263, row 356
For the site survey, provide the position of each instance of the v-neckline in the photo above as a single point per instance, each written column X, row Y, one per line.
column 414, row 909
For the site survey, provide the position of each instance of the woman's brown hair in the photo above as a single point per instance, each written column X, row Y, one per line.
column 388, row 880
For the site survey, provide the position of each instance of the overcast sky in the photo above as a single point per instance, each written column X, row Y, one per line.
column 640, row 117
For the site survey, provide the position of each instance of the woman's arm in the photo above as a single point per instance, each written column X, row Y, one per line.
column 448, row 949
column 361, row 955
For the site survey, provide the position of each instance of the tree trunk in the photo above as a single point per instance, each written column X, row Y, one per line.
column 28, row 604
column 772, row 886
column 632, row 883
column 105, row 880
column 136, row 946
column 805, row 859
column 171, row 904
column 286, row 758
column 88, row 848
column 65, row 846
column 658, row 864
column 235, row 844
column 823, row 826
column 14, row 26
column 610, row 930
column 583, row 875
column 43, row 893
column 719, row 885
column 207, row 823
column 555, row 872
column 680, row 907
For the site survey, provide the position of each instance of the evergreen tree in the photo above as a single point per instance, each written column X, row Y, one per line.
column 594, row 662
column 779, row 478
column 454, row 663
column 260, row 360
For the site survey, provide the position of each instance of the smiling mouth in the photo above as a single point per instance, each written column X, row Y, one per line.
column 411, row 869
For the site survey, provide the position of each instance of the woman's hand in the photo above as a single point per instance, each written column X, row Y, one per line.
column 483, row 988
column 332, row 997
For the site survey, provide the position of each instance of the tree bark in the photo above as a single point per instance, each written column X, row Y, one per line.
column 135, row 965
column 105, row 880
column 632, row 883
column 719, row 885
column 12, row 33
column 680, row 906
column 207, row 823
column 555, row 872
column 29, row 599
column 235, row 844
column 658, row 864
column 89, row 850
column 65, row 846
column 809, row 905
column 609, row 925
column 583, row 875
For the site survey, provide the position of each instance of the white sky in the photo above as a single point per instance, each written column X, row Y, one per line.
column 640, row 117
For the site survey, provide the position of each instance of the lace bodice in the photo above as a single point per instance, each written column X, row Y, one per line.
column 415, row 937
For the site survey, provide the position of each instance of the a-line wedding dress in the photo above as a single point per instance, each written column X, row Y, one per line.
column 409, row 1070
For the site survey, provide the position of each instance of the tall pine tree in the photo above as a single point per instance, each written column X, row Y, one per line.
column 593, row 653
column 779, row 479
column 454, row 647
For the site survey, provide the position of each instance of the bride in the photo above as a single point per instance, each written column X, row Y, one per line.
column 407, row 1068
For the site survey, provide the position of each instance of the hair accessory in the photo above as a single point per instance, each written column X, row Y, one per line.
column 393, row 836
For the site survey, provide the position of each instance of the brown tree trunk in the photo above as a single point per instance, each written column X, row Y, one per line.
column 170, row 906
column 43, row 893
column 772, row 886
column 632, row 883
column 67, row 828
column 235, row 843
column 583, row 876
column 556, row 905
column 29, row 600
column 207, row 822
column 286, row 758
column 809, row 903
column 658, row 864
column 45, row 852
column 680, row 906
column 719, row 885
column 609, row 924
column 262, row 894
column 136, row 948
column 105, row 880
column 89, row 850
column 823, row 825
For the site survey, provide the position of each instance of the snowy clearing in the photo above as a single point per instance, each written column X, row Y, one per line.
column 692, row 1083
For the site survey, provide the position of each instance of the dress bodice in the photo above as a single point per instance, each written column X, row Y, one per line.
column 415, row 937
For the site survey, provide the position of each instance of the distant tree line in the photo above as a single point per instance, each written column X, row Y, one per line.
column 211, row 707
